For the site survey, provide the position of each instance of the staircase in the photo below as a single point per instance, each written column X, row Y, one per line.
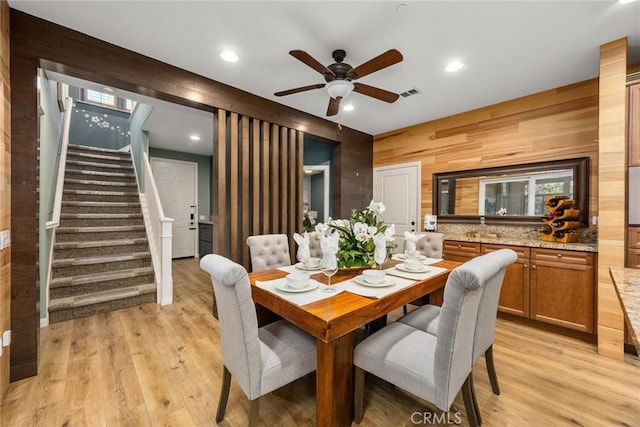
column 101, row 258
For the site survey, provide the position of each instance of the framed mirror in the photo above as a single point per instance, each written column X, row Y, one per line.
column 510, row 195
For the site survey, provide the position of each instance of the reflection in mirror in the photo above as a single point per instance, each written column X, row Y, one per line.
column 512, row 193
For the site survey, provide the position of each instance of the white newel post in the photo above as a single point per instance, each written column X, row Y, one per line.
column 165, row 291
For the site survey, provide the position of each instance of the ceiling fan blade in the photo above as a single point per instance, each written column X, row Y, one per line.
column 304, row 57
column 381, row 61
column 334, row 106
column 375, row 92
column 299, row 89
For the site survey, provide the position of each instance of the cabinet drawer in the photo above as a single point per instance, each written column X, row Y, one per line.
column 564, row 257
column 633, row 237
column 522, row 252
column 470, row 248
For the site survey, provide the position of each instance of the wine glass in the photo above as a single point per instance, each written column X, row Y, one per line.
column 329, row 267
column 380, row 257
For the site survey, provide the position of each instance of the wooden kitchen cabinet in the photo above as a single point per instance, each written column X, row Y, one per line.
column 561, row 291
column 514, row 296
column 460, row 251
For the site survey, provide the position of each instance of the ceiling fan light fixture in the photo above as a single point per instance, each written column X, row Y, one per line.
column 339, row 88
column 348, row 108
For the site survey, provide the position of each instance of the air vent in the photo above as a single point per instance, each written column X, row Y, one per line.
column 409, row 93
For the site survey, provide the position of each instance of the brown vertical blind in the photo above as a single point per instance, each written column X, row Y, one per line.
column 259, row 182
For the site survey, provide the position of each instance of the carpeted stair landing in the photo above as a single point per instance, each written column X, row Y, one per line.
column 101, row 255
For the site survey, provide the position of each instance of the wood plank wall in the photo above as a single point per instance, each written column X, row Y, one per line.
column 561, row 123
column 5, row 190
column 259, row 182
column 612, row 202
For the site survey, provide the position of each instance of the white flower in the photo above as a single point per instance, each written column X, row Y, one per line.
column 360, row 231
column 389, row 232
column 372, row 230
column 377, row 207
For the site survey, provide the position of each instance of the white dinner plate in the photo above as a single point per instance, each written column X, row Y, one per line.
column 285, row 288
column 301, row 266
column 402, row 267
column 403, row 256
column 388, row 281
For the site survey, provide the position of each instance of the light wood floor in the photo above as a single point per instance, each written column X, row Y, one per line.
column 153, row 366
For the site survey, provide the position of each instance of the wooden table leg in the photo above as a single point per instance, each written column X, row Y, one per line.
column 334, row 385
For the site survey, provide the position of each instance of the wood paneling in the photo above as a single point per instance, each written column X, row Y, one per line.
column 5, row 190
column 556, row 124
column 612, row 202
column 251, row 150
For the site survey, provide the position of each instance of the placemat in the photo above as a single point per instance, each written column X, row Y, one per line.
column 371, row 292
column 298, row 298
column 425, row 260
column 415, row 276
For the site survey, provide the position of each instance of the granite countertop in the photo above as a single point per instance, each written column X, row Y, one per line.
column 521, row 241
column 627, row 284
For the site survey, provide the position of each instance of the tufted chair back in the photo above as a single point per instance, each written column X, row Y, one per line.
column 269, row 251
column 431, row 245
column 314, row 244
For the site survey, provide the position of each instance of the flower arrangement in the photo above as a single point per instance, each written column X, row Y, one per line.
column 358, row 235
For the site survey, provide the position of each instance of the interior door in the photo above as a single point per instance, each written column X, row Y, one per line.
column 177, row 187
column 398, row 188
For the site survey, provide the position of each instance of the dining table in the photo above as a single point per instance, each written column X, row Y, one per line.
column 334, row 320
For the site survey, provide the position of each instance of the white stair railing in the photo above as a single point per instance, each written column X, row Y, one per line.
column 159, row 231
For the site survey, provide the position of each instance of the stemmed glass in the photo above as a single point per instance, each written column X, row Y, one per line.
column 380, row 257
column 329, row 267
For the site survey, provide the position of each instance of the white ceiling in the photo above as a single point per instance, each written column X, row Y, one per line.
column 510, row 48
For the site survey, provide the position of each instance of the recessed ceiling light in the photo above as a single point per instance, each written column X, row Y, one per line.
column 108, row 89
column 454, row 66
column 194, row 137
column 625, row 1
column 348, row 108
column 229, row 55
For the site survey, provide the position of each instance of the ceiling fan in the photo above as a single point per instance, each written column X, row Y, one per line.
column 340, row 77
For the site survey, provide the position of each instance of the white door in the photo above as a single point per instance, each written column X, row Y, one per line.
column 398, row 188
column 178, row 188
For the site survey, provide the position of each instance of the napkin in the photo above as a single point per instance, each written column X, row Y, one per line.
column 410, row 239
column 304, row 252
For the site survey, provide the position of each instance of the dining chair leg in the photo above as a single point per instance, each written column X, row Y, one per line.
column 491, row 370
column 404, row 309
column 358, row 396
column 254, row 412
column 224, row 394
column 467, row 396
column 475, row 401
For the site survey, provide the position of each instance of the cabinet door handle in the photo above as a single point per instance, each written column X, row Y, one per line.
column 559, row 255
column 526, row 266
column 534, row 267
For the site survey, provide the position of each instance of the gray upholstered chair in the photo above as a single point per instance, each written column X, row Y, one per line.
column 430, row 245
column 427, row 317
column 269, row 251
column 261, row 359
column 433, row 367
